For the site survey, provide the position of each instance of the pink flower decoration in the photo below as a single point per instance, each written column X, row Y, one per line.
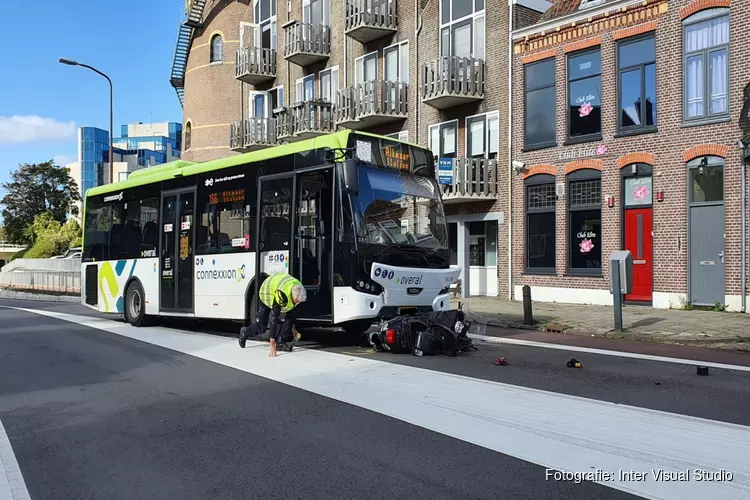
column 586, row 246
column 640, row 193
column 585, row 110
column 601, row 149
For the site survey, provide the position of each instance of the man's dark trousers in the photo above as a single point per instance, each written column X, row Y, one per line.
column 281, row 332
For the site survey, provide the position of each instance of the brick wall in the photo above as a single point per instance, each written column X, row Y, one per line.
column 666, row 147
column 214, row 98
column 524, row 16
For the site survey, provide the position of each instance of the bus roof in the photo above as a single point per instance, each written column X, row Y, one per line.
column 179, row 168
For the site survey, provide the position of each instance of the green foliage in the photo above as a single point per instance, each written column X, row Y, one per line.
column 50, row 238
column 2, row 233
column 33, row 190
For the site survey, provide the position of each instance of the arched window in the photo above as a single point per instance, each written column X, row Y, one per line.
column 216, row 49
column 186, row 139
column 540, row 223
column 706, row 61
column 585, row 222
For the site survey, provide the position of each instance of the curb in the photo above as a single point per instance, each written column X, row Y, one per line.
column 39, row 297
column 610, row 334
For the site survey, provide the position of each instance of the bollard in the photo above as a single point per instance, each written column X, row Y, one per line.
column 528, row 317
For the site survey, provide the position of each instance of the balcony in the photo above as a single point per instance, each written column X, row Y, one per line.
column 305, row 120
column 474, row 179
column 255, row 65
column 252, row 134
column 368, row 20
column 306, row 44
column 451, row 81
column 370, row 104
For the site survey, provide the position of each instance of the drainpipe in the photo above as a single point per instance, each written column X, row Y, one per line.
column 743, row 199
column 417, row 31
column 510, row 149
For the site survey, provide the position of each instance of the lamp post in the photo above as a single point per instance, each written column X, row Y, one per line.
column 111, row 159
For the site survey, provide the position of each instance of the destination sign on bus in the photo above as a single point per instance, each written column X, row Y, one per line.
column 220, row 197
column 397, row 157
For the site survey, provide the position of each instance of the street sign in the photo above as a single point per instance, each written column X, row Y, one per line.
column 445, row 171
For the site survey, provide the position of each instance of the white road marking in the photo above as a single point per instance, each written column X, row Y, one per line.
column 12, row 485
column 606, row 352
column 557, row 431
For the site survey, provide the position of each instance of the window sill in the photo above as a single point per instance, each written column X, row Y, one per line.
column 707, row 121
column 572, row 273
column 634, row 132
column 539, row 272
column 216, row 63
column 537, row 147
column 583, row 140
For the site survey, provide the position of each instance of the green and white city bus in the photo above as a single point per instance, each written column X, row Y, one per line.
column 358, row 218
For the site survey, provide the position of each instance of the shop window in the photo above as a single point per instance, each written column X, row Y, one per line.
column 540, row 223
column 584, row 95
column 636, row 61
column 539, row 112
column 585, row 222
column 707, row 180
column 706, row 64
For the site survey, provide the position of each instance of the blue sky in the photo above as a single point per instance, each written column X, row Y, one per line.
column 42, row 102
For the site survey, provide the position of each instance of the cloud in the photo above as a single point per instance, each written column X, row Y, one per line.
column 62, row 160
column 31, row 128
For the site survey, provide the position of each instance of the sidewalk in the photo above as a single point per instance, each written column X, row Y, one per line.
column 715, row 329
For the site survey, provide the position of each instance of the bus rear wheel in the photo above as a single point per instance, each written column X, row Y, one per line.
column 135, row 305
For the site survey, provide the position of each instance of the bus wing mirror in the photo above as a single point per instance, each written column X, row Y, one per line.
column 351, row 177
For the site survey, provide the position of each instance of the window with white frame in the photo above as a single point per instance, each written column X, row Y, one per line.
column 706, row 60
column 265, row 25
column 482, row 135
column 366, row 68
column 316, row 12
column 262, row 103
column 329, row 84
column 402, row 135
column 397, row 62
column 444, row 139
column 305, row 88
column 462, row 28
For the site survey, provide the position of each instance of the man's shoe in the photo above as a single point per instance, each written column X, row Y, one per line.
column 243, row 338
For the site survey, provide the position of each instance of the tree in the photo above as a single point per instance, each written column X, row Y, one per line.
column 33, row 190
column 50, row 238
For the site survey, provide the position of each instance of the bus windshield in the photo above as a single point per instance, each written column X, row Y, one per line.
column 397, row 208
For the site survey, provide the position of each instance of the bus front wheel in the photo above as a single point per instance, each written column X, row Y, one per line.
column 135, row 305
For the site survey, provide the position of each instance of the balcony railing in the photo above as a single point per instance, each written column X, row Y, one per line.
column 368, row 20
column 252, row 134
column 306, row 44
column 305, row 120
column 473, row 179
column 370, row 104
column 255, row 65
column 450, row 81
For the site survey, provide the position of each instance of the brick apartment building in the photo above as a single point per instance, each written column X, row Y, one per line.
column 645, row 157
column 255, row 73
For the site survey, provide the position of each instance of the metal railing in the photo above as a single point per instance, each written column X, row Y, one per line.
column 255, row 61
column 43, row 281
column 453, row 76
column 305, row 38
column 473, row 178
column 253, row 132
column 306, row 119
column 373, row 98
column 380, row 14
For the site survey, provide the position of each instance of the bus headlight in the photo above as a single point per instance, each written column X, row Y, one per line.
column 444, row 290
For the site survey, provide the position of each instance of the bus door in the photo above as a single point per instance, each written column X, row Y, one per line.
column 313, row 250
column 176, row 266
column 274, row 219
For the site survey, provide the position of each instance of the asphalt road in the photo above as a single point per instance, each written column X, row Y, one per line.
column 94, row 415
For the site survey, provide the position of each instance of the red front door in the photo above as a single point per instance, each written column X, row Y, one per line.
column 639, row 240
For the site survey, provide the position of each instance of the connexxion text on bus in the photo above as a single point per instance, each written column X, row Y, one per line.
column 358, row 218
